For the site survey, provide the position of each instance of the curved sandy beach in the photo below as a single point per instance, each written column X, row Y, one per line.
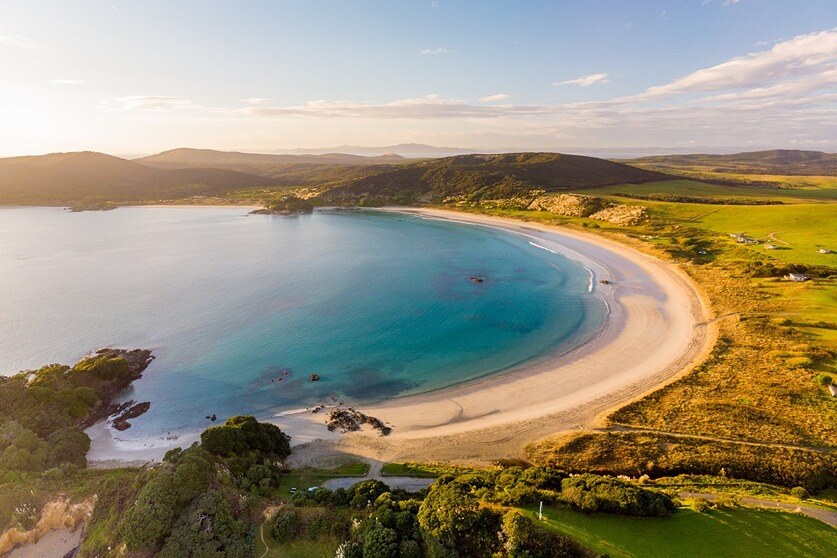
column 656, row 329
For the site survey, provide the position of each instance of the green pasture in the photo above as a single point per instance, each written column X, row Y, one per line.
column 717, row 533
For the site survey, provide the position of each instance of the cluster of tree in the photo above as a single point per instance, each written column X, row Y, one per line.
column 43, row 412
column 451, row 520
column 289, row 204
column 196, row 502
column 597, row 494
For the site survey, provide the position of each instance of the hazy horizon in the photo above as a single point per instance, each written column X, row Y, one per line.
column 135, row 79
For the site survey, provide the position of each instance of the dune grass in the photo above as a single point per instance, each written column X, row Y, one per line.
column 717, row 533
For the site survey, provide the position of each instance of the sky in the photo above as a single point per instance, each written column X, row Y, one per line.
column 139, row 77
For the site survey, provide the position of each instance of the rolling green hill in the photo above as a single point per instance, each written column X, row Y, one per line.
column 776, row 161
column 65, row 178
column 478, row 177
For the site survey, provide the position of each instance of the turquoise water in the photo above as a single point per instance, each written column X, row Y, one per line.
column 376, row 304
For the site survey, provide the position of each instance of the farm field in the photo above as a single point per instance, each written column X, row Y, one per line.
column 822, row 189
column 718, row 533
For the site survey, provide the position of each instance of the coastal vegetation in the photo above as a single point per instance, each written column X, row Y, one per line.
column 756, row 410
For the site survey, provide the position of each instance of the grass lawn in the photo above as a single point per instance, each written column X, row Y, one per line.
column 303, row 478
column 697, row 189
column 798, row 229
column 407, row 470
column 735, row 533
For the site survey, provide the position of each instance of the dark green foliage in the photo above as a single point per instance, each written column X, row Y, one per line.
column 409, row 549
column 453, row 516
column 366, row 492
column 20, row 448
column 522, row 539
column 290, row 204
column 543, row 477
column 243, row 434
column 208, row 528
column 42, row 411
column 285, row 525
column 349, row 549
column 68, row 445
column 596, row 494
column 148, row 522
column 380, row 542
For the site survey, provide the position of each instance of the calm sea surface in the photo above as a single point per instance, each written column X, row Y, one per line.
column 376, row 304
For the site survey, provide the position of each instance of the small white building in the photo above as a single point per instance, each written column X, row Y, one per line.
column 832, row 389
column 770, row 247
column 824, row 251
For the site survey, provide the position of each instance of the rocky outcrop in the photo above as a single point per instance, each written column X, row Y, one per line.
column 131, row 411
column 138, row 360
column 351, row 420
column 570, row 205
column 622, row 215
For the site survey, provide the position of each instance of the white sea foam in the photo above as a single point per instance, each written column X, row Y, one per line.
column 543, row 248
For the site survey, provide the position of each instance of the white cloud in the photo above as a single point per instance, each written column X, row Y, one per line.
column 16, row 41
column 67, row 81
column 431, row 51
column 256, row 100
column 800, row 55
column 496, row 97
column 153, row 103
column 586, row 81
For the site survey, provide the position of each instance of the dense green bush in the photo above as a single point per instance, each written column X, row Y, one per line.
column 285, row 525
column 20, row 448
column 208, row 528
column 68, row 445
column 244, row 434
column 380, row 542
column 522, row 539
column 453, row 517
column 597, row 494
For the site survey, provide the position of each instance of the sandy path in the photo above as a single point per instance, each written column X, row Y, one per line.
column 657, row 327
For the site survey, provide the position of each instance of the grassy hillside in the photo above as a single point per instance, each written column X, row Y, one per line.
column 777, row 161
column 718, row 533
column 484, row 177
column 64, row 178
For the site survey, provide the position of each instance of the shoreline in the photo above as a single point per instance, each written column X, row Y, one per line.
column 496, row 415
column 657, row 331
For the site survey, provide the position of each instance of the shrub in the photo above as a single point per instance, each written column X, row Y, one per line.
column 349, row 549
column 243, row 434
column 700, row 505
column 453, row 516
column 366, row 492
column 285, row 526
column 380, row 542
column 799, row 492
column 593, row 493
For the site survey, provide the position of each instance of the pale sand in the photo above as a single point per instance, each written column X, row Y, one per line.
column 656, row 329
column 54, row 544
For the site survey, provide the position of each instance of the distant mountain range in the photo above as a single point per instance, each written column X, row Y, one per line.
column 67, row 178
